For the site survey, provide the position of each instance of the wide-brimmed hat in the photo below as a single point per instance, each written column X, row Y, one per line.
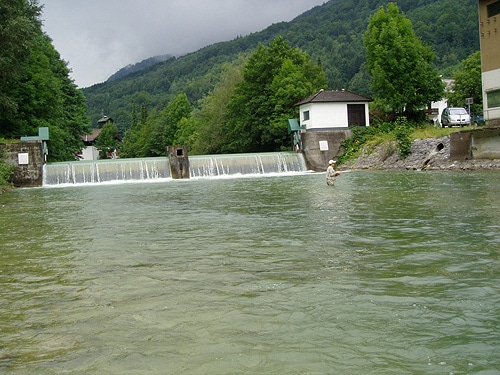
column 332, row 162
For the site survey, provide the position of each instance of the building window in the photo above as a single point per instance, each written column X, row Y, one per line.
column 493, row 98
column 493, row 9
column 305, row 114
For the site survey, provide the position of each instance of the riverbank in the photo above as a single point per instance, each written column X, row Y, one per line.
column 426, row 154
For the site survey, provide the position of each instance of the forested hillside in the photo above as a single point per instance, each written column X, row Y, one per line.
column 129, row 69
column 331, row 34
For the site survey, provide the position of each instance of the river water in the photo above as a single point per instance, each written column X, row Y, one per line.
column 385, row 273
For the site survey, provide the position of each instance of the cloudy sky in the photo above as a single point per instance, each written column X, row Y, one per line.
column 98, row 37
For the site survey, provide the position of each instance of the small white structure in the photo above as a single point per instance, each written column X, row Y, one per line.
column 334, row 110
column 433, row 113
column 90, row 152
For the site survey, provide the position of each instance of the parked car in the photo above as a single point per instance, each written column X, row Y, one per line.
column 478, row 120
column 455, row 116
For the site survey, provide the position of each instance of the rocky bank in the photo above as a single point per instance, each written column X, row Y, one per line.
column 426, row 154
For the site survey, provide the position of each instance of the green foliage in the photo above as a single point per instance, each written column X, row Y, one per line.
column 274, row 79
column 331, row 34
column 156, row 131
column 19, row 25
column 137, row 140
column 352, row 146
column 399, row 64
column 35, row 88
column 468, row 84
column 6, row 171
column 107, row 141
column 402, row 134
column 209, row 121
column 400, row 130
column 50, row 98
column 177, row 111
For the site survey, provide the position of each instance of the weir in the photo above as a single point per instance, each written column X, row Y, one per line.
column 151, row 169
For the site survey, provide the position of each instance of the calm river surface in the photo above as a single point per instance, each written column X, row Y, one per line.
column 385, row 273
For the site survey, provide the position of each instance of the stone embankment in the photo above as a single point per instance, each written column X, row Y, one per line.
column 426, row 154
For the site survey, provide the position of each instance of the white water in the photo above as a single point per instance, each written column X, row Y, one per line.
column 154, row 169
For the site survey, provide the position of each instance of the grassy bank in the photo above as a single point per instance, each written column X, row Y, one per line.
column 401, row 133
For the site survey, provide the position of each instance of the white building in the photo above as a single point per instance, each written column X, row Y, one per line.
column 90, row 152
column 334, row 110
column 489, row 36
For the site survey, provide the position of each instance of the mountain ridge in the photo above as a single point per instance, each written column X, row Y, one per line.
column 143, row 64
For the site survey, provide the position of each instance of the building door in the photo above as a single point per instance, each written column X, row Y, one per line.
column 356, row 115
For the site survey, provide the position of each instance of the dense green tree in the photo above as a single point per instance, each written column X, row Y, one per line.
column 157, row 130
column 6, row 170
column 209, row 136
column 107, row 142
column 175, row 111
column 468, row 84
column 403, row 78
column 19, row 25
column 154, row 133
column 48, row 97
column 143, row 138
column 274, row 79
column 35, row 88
column 186, row 132
column 361, row 82
column 129, row 137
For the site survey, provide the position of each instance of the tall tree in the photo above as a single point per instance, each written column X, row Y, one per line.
column 19, row 25
column 176, row 110
column 107, row 142
column 48, row 97
column 468, row 83
column 210, row 135
column 35, row 88
column 403, row 78
column 274, row 79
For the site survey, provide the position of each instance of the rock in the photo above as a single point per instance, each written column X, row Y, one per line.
column 425, row 154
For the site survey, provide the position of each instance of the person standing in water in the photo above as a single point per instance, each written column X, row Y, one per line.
column 331, row 173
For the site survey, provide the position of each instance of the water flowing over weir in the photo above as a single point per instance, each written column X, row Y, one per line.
column 151, row 169
column 244, row 164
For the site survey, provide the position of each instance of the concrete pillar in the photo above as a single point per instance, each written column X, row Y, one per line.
column 460, row 146
column 179, row 162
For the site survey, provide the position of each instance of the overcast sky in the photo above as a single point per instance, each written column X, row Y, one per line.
column 99, row 37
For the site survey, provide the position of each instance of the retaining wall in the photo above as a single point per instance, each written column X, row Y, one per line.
column 475, row 144
column 320, row 146
column 28, row 160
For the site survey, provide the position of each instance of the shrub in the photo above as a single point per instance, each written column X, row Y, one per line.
column 6, row 171
column 402, row 134
column 399, row 130
column 353, row 145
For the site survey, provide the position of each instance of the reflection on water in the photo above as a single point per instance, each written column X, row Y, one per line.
column 386, row 273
